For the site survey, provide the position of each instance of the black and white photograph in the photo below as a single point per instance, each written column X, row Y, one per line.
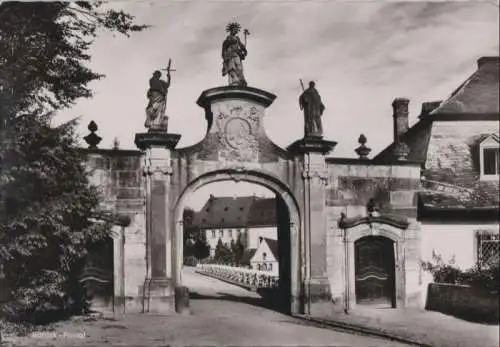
column 250, row 173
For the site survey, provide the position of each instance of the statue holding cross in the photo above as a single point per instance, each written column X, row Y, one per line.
column 233, row 54
column 156, row 119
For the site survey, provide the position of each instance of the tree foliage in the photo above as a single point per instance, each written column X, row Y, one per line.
column 44, row 50
column 45, row 209
column 237, row 251
column 195, row 240
column 46, row 201
column 223, row 254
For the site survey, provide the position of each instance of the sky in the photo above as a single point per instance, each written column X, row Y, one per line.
column 362, row 55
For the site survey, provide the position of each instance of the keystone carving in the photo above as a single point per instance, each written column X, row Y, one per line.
column 235, row 173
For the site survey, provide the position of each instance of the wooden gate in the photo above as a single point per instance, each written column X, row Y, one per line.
column 374, row 271
column 97, row 275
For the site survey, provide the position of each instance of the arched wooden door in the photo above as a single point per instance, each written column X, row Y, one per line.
column 375, row 271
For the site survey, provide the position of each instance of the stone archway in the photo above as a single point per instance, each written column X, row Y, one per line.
column 255, row 177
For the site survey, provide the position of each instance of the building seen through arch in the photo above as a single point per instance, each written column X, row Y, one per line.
column 244, row 218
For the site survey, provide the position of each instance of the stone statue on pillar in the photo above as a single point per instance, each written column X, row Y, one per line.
column 156, row 119
column 233, row 54
column 310, row 102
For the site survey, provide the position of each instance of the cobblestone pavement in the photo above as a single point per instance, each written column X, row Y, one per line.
column 222, row 315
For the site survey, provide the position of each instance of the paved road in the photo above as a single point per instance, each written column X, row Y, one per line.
column 222, row 315
column 204, row 285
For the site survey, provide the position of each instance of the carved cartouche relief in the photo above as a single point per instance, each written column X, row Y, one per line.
column 236, row 125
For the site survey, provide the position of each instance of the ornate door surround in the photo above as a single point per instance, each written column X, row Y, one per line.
column 358, row 228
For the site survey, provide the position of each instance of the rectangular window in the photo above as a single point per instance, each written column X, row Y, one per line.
column 221, row 233
column 491, row 162
column 213, row 234
column 488, row 248
column 230, row 232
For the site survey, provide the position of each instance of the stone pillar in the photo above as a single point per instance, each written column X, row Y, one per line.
column 314, row 175
column 119, row 269
column 158, row 290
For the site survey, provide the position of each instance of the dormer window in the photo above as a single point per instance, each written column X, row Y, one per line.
column 490, row 161
column 489, row 156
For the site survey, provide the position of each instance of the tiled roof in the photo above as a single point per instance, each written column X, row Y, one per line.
column 239, row 212
column 273, row 246
column 452, row 162
column 262, row 212
column 247, row 255
column 478, row 94
column 417, row 139
column 449, row 149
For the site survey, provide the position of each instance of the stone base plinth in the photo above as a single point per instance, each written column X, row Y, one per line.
column 320, row 297
column 312, row 145
column 182, row 300
column 156, row 139
column 159, row 296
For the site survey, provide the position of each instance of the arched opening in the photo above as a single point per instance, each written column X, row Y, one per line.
column 224, row 214
column 375, row 271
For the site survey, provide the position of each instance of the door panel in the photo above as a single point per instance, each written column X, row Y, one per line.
column 374, row 270
column 97, row 275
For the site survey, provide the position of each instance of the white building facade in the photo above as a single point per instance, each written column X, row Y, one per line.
column 230, row 219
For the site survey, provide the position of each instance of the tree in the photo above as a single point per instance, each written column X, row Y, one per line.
column 187, row 219
column 239, row 250
column 46, row 201
column 195, row 240
column 43, row 51
column 222, row 253
column 201, row 246
column 232, row 248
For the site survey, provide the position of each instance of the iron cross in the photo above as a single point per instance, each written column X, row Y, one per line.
column 169, row 69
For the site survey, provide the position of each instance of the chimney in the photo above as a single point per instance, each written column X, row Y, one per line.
column 487, row 61
column 428, row 107
column 400, row 115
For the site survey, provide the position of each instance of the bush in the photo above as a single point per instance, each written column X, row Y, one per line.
column 487, row 278
column 479, row 277
column 190, row 261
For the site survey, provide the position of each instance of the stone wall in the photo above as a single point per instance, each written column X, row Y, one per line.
column 118, row 175
column 351, row 183
column 463, row 301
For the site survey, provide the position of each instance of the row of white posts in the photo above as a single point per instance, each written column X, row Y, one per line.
column 248, row 278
